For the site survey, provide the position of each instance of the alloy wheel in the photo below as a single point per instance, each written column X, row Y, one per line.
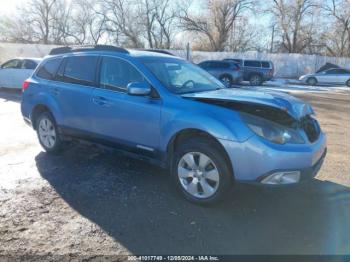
column 198, row 175
column 226, row 80
column 255, row 80
column 47, row 133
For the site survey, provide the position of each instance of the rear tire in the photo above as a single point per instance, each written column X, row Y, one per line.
column 201, row 171
column 47, row 133
column 348, row 83
column 255, row 80
column 311, row 81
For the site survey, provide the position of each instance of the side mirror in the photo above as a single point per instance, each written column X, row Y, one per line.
column 139, row 89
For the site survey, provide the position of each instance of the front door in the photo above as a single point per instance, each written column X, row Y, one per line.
column 8, row 71
column 132, row 121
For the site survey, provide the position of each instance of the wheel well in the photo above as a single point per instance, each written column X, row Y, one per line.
column 190, row 133
column 311, row 77
column 37, row 111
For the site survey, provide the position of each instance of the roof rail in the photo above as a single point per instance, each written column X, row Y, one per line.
column 71, row 49
column 159, row 51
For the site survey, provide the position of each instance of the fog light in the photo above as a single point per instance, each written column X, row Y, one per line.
column 282, row 178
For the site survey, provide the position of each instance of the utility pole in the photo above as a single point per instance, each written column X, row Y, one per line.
column 272, row 38
column 188, row 56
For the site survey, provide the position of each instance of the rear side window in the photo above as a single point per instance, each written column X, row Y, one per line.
column 265, row 64
column 235, row 66
column 48, row 70
column 80, row 70
column 29, row 64
column 337, row 72
column 204, row 65
column 220, row 65
column 116, row 74
column 252, row 63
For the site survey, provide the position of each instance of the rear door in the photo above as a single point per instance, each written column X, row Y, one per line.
column 331, row 76
column 208, row 66
column 132, row 121
column 73, row 86
column 342, row 76
column 25, row 71
column 251, row 67
column 218, row 68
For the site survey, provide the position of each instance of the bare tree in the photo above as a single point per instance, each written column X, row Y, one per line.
column 123, row 22
column 39, row 21
column 293, row 22
column 159, row 18
column 217, row 22
column 86, row 25
column 244, row 36
column 337, row 40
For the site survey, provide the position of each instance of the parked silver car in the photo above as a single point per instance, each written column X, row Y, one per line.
column 227, row 72
column 336, row 76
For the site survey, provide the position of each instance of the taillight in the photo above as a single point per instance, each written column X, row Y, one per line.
column 25, row 85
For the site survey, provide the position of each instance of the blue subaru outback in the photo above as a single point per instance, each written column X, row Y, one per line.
column 168, row 111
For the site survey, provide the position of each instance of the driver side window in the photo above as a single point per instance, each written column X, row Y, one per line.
column 12, row 64
column 116, row 74
column 179, row 76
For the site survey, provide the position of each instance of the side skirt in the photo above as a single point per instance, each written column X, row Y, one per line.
column 139, row 152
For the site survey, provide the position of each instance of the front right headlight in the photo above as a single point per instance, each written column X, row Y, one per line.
column 272, row 131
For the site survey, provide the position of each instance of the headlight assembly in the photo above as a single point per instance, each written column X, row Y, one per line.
column 272, row 131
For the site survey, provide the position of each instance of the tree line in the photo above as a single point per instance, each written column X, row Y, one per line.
column 288, row 26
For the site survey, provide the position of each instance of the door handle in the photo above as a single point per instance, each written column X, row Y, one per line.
column 101, row 101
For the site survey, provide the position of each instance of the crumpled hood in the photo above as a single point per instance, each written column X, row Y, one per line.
column 294, row 106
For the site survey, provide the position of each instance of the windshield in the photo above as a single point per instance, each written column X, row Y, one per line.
column 182, row 77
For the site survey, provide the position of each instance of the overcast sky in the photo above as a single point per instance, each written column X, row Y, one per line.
column 9, row 6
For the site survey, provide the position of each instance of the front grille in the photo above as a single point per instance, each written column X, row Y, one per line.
column 311, row 128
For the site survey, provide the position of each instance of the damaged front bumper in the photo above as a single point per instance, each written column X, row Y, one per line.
column 259, row 161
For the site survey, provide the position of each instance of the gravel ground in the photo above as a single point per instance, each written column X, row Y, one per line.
column 88, row 202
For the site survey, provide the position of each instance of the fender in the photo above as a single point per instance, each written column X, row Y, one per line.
column 45, row 99
column 209, row 122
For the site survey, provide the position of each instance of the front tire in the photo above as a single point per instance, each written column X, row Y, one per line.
column 201, row 171
column 47, row 132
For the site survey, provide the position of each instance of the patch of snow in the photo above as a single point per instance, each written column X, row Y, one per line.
column 295, row 86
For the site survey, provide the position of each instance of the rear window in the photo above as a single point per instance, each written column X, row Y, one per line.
column 80, row 70
column 48, row 70
column 29, row 64
column 252, row 63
